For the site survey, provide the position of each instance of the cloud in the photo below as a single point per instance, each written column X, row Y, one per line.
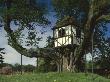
column 12, row 56
column 3, row 40
column 88, row 56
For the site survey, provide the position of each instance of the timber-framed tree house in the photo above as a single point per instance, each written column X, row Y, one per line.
column 67, row 36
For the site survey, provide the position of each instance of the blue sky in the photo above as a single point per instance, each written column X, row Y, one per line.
column 12, row 55
column 108, row 33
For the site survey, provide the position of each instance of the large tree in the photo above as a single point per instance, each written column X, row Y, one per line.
column 24, row 13
column 88, row 13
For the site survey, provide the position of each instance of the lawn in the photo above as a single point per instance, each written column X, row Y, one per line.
column 54, row 77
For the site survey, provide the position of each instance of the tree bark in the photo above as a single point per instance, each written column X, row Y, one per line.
column 71, row 62
column 59, row 66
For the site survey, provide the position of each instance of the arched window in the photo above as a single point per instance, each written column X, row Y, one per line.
column 61, row 32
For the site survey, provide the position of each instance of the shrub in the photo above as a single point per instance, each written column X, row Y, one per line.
column 6, row 70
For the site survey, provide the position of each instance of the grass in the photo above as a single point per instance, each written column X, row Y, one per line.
column 54, row 77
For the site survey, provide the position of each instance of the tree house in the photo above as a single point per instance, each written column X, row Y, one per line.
column 67, row 35
column 67, row 32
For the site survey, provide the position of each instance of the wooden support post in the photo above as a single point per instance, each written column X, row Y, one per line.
column 37, row 62
column 21, row 64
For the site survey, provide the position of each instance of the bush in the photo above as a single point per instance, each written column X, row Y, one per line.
column 6, row 70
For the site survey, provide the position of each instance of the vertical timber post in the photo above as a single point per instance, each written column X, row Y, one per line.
column 92, row 53
column 21, row 64
column 37, row 62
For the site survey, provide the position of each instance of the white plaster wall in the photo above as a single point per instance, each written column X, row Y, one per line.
column 65, row 40
column 62, row 41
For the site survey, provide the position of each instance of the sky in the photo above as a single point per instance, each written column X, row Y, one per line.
column 13, row 57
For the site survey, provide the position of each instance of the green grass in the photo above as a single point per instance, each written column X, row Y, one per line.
column 54, row 77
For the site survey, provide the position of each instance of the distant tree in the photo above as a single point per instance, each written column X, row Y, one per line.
column 101, row 47
column 7, row 70
column 1, row 60
column 1, row 57
column 28, row 68
column 6, row 64
column 17, row 67
column 25, row 68
column 103, row 56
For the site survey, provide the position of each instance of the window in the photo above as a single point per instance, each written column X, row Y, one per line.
column 56, row 33
column 78, row 33
column 61, row 32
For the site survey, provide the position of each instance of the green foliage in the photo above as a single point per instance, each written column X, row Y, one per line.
column 25, row 11
column 28, row 68
column 32, row 39
column 54, row 77
column 17, row 67
column 46, row 65
column 98, row 4
column 68, row 6
column 1, row 60
column 101, row 46
column 76, row 8
column 1, row 57
column 6, row 64
column 25, row 68
column 49, row 42
column 88, row 13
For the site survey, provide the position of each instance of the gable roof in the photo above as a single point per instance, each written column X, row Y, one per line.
column 66, row 21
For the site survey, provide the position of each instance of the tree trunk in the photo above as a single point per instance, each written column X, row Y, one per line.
column 65, row 63
column 81, row 49
column 59, row 62
column 59, row 67
column 71, row 62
